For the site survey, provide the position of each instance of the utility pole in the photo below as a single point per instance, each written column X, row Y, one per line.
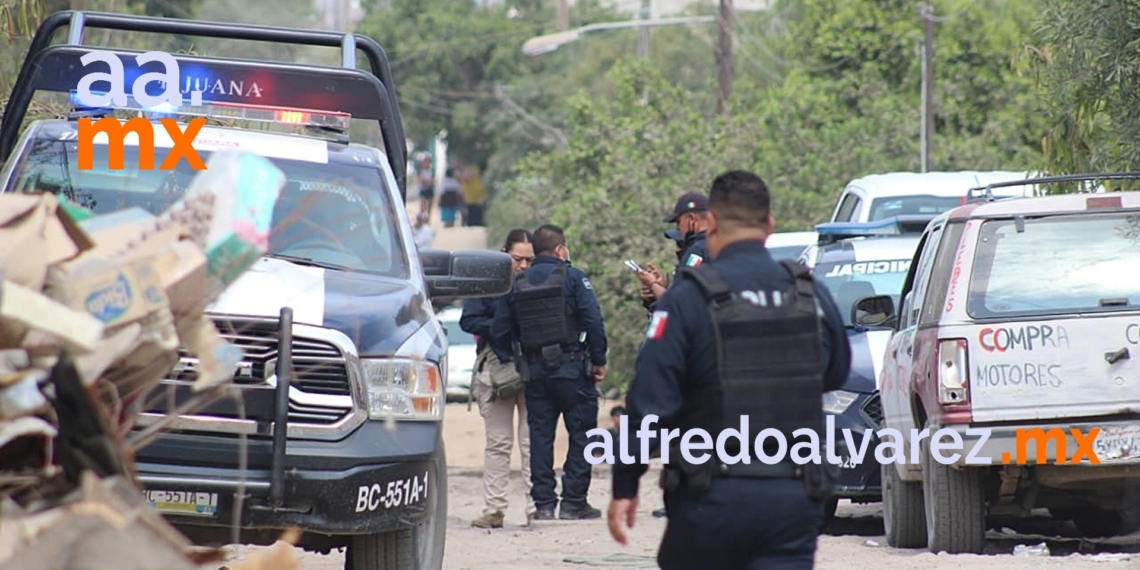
column 563, row 15
column 724, row 57
column 643, row 39
column 926, row 13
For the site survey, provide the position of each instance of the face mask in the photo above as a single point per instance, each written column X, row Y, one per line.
column 690, row 228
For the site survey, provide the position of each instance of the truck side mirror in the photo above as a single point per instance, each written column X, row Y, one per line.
column 466, row 274
column 873, row 311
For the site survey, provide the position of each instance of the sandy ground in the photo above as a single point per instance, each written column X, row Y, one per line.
column 855, row 541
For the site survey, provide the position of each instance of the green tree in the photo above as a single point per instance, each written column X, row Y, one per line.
column 622, row 167
column 839, row 99
column 1086, row 62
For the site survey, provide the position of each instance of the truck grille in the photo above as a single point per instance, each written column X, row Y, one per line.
column 319, row 370
column 318, row 367
column 873, row 410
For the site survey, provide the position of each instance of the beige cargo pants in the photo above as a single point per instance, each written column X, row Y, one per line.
column 499, row 424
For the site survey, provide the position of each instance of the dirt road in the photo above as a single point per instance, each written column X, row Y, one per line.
column 855, row 543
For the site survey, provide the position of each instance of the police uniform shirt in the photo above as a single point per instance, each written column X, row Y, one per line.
column 679, row 352
column 577, row 291
column 694, row 254
column 476, row 319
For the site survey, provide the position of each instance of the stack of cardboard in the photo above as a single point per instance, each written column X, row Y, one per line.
column 93, row 312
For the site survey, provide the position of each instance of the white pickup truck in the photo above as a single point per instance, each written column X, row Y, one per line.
column 1017, row 326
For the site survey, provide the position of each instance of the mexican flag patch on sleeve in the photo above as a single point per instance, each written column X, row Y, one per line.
column 694, row 260
column 657, row 325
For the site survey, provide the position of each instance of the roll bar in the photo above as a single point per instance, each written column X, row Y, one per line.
column 387, row 111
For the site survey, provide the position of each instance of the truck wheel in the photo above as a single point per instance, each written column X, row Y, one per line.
column 904, row 516
column 417, row 548
column 955, row 507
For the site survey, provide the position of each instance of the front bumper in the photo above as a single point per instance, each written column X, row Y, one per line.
column 372, row 481
column 858, row 478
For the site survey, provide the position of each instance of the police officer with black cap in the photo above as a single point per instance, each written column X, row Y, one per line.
column 690, row 215
column 742, row 337
column 553, row 324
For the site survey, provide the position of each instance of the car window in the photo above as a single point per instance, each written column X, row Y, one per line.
column 846, row 207
column 1057, row 264
column 333, row 213
column 786, row 252
column 911, row 205
column 850, row 281
column 457, row 336
column 940, row 274
column 922, row 272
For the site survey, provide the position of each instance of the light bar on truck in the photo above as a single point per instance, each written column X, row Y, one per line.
column 238, row 111
column 832, row 232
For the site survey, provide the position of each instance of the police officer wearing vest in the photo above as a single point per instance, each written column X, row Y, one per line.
column 742, row 335
column 690, row 216
column 553, row 321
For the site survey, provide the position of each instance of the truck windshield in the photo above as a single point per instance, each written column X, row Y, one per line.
column 1058, row 264
column 850, row 281
column 912, row 205
column 336, row 215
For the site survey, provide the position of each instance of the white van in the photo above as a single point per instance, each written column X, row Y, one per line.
column 880, row 196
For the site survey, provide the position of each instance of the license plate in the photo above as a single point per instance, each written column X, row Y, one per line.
column 184, row 502
column 1121, row 443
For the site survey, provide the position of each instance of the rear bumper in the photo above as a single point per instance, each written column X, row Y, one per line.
column 1118, row 443
column 372, row 481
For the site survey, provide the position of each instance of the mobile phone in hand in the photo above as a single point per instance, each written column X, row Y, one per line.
column 633, row 266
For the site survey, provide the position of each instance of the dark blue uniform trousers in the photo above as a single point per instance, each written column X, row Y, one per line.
column 571, row 393
column 741, row 524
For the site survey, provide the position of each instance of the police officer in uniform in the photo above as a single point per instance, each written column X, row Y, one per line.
column 690, row 214
column 743, row 335
column 553, row 323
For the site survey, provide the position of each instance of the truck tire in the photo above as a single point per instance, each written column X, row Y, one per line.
column 418, row 548
column 904, row 513
column 955, row 503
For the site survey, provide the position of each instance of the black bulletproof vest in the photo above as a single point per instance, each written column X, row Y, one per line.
column 543, row 314
column 769, row 363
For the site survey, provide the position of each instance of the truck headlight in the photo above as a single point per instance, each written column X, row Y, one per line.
column 402, row 388
column 837, row 401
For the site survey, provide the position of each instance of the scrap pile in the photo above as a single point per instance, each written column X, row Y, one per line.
column 94, row 310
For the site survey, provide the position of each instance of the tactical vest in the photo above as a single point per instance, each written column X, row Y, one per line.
column 769, row 365
column 543, row 314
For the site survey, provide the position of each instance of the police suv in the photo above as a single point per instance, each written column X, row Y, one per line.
column 856, row 261
column 339, row 427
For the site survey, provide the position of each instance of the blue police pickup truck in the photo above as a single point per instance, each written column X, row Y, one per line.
column 337, row 423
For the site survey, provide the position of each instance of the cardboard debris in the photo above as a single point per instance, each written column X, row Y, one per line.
column 35, row 234
column 29, row 309
column 109, row 524
column 94, row 311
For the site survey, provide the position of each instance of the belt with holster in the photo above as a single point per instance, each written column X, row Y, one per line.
column 575, row 356
column 760, row 470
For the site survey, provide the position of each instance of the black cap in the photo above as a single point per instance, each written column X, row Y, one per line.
column 691, row 202
column 675, row 235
